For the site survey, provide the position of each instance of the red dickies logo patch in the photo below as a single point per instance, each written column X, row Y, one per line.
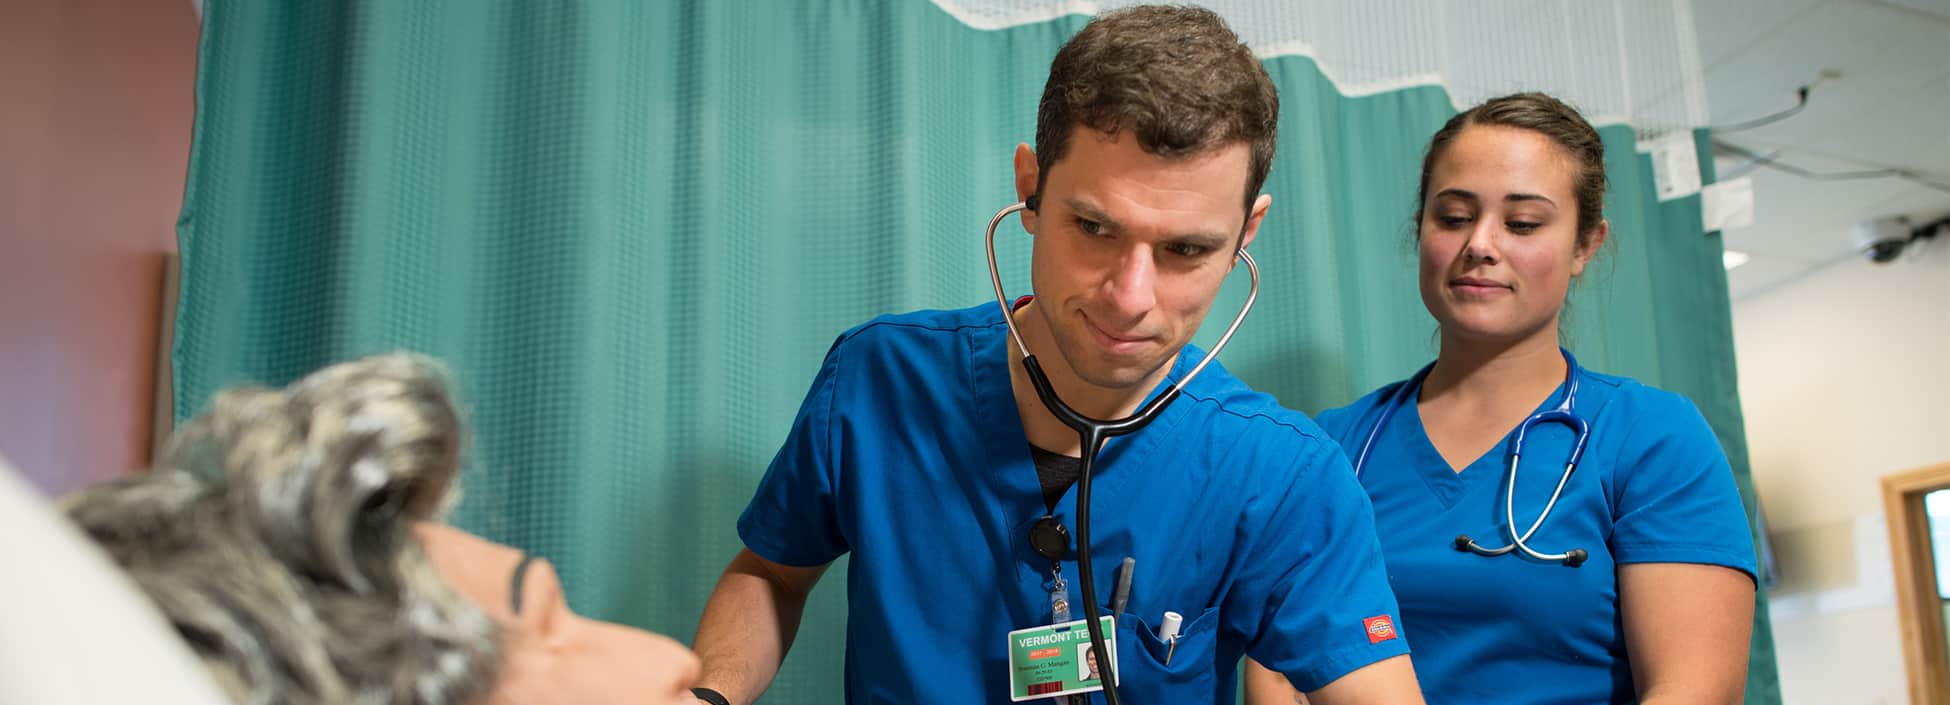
column 1379, row 629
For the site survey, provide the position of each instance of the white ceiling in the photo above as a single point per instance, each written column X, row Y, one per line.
column 1890, row 108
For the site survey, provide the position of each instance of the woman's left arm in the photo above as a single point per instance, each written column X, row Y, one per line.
column 1687, row 628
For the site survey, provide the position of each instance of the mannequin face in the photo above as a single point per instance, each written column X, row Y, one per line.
column 549, row 653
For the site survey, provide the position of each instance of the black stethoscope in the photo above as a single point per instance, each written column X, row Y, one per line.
column 1563, row 413
column 1093, row 432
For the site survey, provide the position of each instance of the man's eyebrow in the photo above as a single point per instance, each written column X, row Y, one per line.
column 1090, row 212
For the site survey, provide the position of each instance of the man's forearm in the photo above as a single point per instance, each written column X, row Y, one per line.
column 747, row 626
column 1719, row 697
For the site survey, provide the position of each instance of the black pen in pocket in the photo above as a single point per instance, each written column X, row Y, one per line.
column 1122, row 594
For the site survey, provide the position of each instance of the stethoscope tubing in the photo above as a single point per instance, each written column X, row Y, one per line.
column 1095, row 432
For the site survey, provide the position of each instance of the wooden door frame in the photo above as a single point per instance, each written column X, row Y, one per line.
column 1925, row 656
column 162, row 415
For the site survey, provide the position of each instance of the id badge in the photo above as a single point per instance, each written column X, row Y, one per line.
column 1056, row 660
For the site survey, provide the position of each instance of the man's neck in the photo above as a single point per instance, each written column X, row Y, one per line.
column 1041, row 427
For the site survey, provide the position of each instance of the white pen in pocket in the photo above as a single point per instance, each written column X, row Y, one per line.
column 1168, row 633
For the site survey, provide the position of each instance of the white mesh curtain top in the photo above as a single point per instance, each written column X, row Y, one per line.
column 1619, row 62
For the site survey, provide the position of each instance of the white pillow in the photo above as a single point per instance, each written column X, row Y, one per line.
column 77, row 629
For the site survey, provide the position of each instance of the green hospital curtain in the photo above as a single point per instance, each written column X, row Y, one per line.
column 633, row 228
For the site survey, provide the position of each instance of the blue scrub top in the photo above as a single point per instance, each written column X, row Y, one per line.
column 1653, row 487
column 909, row 453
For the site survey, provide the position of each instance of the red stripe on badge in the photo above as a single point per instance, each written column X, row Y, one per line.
column 1379, row 628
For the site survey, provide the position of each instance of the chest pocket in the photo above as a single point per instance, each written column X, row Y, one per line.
column 1153, row 671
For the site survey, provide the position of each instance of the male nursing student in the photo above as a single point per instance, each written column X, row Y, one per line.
column 923, row 449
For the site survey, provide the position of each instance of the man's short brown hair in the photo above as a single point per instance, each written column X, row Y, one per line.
column 1175, row 77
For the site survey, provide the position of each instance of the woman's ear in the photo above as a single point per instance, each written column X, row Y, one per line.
column 1588, row 247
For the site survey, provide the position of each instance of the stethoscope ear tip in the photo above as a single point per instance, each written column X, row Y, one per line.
column 1575, row 557
column 1463, row 542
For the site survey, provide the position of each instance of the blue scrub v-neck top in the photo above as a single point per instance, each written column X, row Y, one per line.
column 909, row 453
column 1653, row 486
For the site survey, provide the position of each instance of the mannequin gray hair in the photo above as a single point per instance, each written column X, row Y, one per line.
column 274, row 534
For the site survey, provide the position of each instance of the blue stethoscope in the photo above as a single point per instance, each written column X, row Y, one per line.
column 1564, row 414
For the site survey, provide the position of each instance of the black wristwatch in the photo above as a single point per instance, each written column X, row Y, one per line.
column 710, row 696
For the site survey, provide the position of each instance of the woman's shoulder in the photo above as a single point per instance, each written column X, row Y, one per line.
column 1636, row 398
column 1648, row 417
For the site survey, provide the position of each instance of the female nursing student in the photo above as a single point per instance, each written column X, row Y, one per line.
column 1660, row 607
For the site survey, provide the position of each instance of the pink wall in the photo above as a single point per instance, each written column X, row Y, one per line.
column 95, row 109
